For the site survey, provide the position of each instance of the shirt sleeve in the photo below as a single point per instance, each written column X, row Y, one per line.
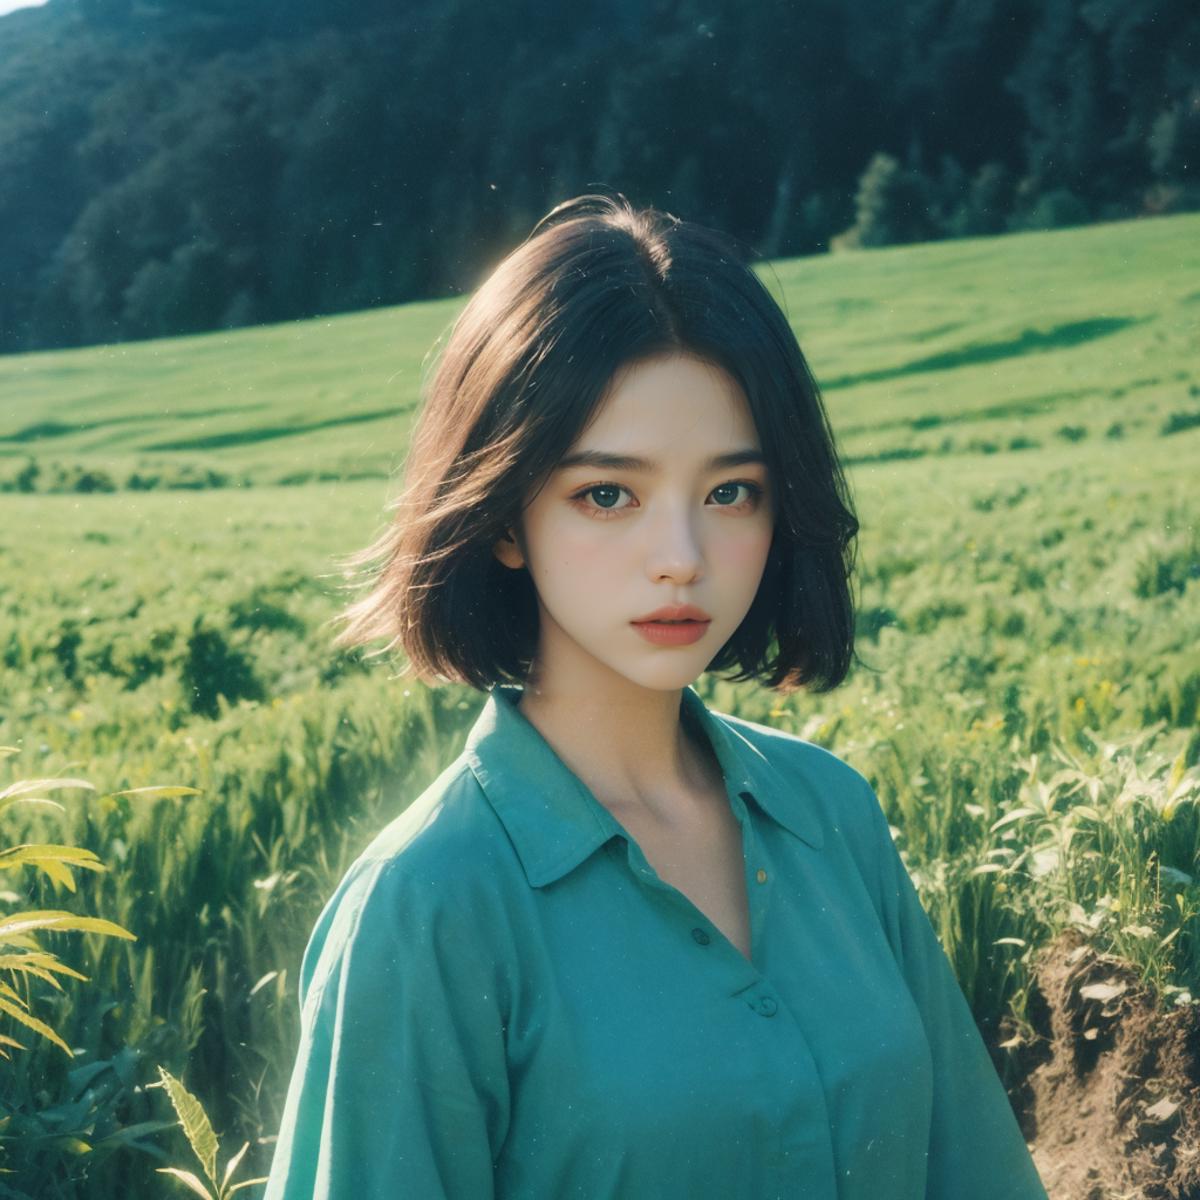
column 398, row 1084
column 976, row 1147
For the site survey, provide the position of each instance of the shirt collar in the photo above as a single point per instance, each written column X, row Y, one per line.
column 555, row 822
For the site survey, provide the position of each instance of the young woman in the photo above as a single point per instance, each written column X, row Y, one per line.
column 625, row 946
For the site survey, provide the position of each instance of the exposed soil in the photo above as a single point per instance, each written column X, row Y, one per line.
column 1109, row 1093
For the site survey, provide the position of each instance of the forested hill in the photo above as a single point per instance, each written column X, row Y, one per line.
column 187, row 165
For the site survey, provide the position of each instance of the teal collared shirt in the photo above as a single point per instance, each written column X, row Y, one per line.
column 502, row 999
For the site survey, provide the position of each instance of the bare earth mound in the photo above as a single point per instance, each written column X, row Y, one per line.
column 1110, row 1098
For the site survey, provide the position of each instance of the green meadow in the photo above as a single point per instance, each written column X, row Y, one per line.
column 1020, row 419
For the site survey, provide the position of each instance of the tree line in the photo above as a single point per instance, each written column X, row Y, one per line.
column 174, row 166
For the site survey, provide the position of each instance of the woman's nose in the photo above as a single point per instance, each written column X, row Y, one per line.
column 674, row 543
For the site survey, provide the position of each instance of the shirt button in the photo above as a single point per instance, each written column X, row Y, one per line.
column 761, row 876
column 767, row 1007
column 701, row 937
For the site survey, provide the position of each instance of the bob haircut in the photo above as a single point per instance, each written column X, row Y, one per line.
column 598, row 285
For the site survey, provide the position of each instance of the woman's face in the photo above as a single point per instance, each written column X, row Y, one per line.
column 608, row 545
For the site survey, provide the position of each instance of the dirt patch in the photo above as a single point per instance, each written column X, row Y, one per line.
column 1109, row 1094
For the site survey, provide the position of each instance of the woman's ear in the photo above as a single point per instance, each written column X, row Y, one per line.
column 508, row 552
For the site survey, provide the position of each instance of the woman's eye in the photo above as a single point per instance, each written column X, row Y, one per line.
column 604, row 492
column 753, row 490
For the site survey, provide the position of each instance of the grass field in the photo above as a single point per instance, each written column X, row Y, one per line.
column 1020, row 417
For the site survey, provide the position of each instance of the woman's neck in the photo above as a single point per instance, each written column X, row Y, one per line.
column 644, row 758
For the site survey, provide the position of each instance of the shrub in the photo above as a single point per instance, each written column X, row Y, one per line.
column 1165, row 569
column 1055, row 209
column 893, row 205
column 872, row 620
column 213, row 668
column 92, row 479
column 27, row 477
column 1177, row 422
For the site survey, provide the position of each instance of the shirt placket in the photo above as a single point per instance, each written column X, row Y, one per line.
column 801, row 1157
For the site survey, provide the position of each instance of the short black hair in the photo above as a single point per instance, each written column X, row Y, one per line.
column 598, row 285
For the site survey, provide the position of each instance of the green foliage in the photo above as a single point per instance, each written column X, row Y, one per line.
column 205, row 173
column 84, row 1123
column 203, row 1141
column 986, row 204
column 265, row 606
column 86, row 1135
column 1072, row 433
column 22, row 957
column 1054, row 210
column 213, row 670
column 1177, row 422
column 1168, row 567
column 26, row 478
column 893, row 205
column 78, row 477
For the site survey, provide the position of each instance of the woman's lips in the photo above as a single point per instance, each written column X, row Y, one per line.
column 662, row 633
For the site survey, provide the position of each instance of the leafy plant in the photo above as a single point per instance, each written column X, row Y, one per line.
column 21, row 955
column 202, row 1139
column 213, row 667
column 91, row 1117
column 84, row 1120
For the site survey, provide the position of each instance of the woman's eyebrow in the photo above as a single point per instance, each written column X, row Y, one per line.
column 628, row 462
